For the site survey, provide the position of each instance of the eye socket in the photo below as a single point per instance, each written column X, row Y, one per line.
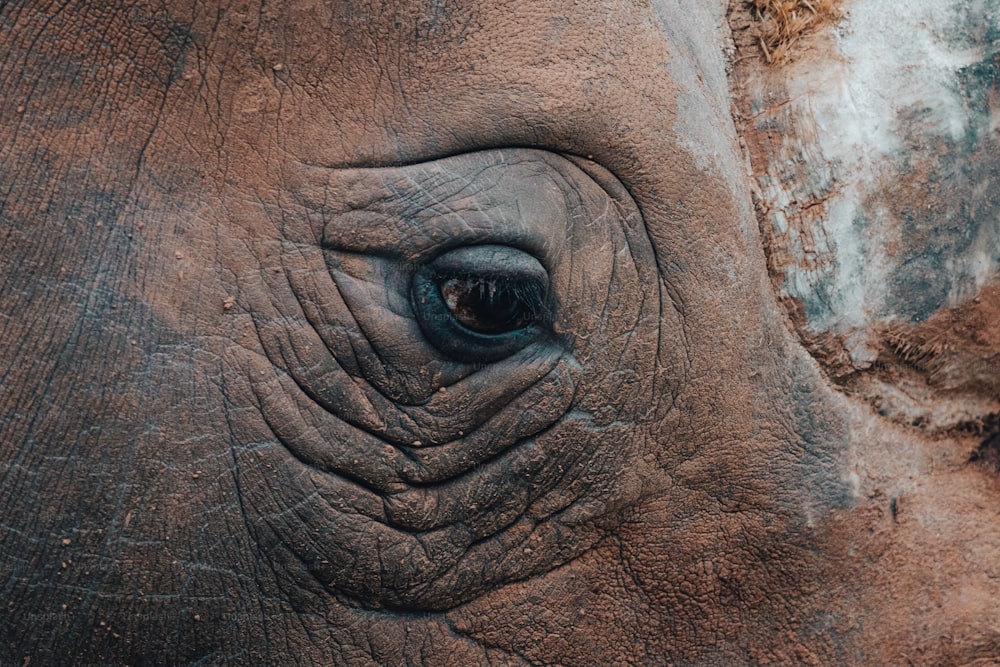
column 481, row 303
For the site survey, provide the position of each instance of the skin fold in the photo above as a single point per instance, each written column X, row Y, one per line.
column 234, row 428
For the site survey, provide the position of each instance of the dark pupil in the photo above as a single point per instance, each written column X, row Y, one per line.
column 486, row 305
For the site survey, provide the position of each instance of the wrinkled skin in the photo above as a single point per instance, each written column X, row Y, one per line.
column 232, row 430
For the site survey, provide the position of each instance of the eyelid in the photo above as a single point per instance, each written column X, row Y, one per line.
column 524, row 198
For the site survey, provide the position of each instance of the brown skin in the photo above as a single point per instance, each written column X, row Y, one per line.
column 203, row 455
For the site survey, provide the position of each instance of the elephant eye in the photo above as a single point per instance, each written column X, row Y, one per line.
column 481, row 303
column 491, row 305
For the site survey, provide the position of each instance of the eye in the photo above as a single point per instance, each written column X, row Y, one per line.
column 481, row 303
column 491, row 305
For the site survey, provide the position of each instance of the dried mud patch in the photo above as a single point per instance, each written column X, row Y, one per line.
column 918, row 345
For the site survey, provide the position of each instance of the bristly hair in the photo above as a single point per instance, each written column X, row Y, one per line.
column 781, row 23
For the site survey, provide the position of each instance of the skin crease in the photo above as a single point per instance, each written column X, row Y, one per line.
column 189, row 188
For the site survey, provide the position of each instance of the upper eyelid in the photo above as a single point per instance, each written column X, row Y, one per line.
column 356, row 184
column 530, row 200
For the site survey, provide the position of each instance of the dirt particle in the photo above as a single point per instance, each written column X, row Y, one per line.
column 277, row 67
column 66, row 541
column 20, row 108
column 228, row 303
column 179, row 255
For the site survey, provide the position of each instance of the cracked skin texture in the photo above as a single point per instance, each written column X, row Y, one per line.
column 215, row 385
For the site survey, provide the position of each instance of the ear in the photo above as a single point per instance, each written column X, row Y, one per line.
column 873, row 138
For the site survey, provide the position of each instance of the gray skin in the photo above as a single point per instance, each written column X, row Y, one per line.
column 246, row 418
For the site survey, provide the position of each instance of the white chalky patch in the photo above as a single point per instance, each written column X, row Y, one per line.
column 888, row 99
